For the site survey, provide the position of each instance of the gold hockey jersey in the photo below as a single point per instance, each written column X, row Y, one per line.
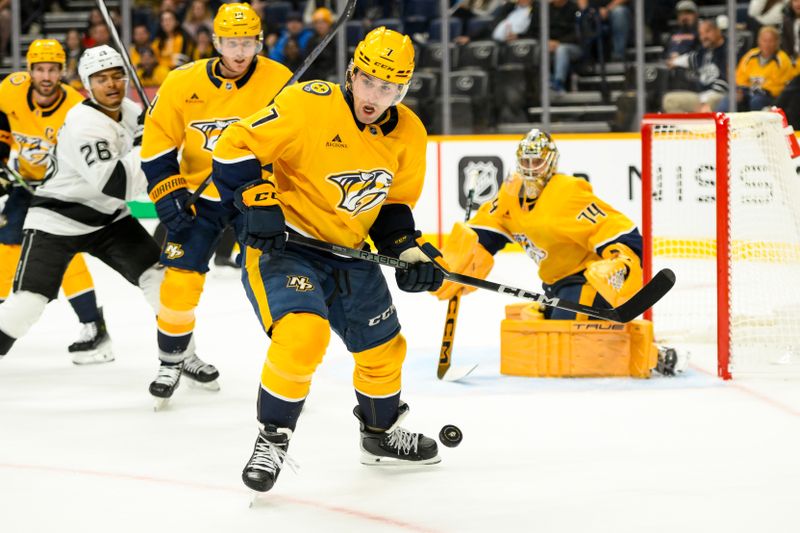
column 33, row 129
column 562, row 231
column 331, row 172
column 192, row 108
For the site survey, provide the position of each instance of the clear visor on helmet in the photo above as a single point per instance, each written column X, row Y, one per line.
column 238, row 47
column 375, row 90
column 533, row 166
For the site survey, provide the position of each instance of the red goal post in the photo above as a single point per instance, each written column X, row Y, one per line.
column 717, row 193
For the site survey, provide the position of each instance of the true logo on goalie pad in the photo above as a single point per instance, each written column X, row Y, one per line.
column 362, row 190
column 299, row 283
column 211, row 130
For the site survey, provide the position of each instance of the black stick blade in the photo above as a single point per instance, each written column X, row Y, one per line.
column 647, row 297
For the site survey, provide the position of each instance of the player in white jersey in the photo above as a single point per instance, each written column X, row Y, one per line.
column 82, row 205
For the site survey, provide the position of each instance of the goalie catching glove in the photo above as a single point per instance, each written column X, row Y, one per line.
column 617, row 276
column 263, row 223
column 465, row 255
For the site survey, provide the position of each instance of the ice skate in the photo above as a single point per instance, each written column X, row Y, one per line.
column 671, row 361
column 93, row 345
column 396, row 446
column 200, row 373
column 166, row 382
column 269, row 456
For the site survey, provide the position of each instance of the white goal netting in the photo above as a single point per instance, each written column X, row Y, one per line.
column 763, row 218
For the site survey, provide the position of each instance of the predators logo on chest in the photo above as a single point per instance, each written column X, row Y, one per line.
column 211, row 130
column 362, row 190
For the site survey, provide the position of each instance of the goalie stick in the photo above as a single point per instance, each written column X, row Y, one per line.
column 444, row 371
column 344, row 17
column 643, row 300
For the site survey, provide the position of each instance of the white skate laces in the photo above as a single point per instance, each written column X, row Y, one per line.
column 403, row 441
column 194, row 365
column 270, row 457
column 168, row 374
column 88, row 332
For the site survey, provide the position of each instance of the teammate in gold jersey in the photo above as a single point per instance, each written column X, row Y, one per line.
column 347, row 163
column 33, row 105
column 580, row 243
column 192, row 108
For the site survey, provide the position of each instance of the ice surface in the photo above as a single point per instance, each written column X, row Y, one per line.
column 82, row 450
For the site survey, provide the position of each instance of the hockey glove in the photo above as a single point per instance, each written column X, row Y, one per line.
column 422, row 274
column 618, row 276
column 465, row 255
column 263, row 223
column 170, row 196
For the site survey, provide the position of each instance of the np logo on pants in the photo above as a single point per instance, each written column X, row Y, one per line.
column 299, row 283
column 173, row 250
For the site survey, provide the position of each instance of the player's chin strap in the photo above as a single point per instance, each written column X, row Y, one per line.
column 640, row 302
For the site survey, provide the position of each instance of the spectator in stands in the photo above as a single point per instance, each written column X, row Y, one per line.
column 73, row 51
column 324, row 67
column 515, row 21
column 466, row 10
column 204, row 47
column 141, row 41
column 294, row 30
column 790, row 39
column 292, row 55
column 173, row 45
column 708, row 67
column 99, row 34
column 684, row 39
column 764, row 13
column 763, row 72
column 5, row 26
column 563, row 43
column 150, row 71
column 198, row 16
column 617, row 17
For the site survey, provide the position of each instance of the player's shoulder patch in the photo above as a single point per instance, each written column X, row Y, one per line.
column 18, row 78
column 320, row 88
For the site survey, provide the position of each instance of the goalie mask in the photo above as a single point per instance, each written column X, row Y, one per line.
column 537, row 159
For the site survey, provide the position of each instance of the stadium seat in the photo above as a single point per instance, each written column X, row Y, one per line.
column 435, row 30
column 422, row 8
column 474, row 84
column 415, row 24
column 478, row 54
column 460, row 116
column 523, row 52
column 355, row 32
column 424, row 86
column 478, row 25
column 431, row 57
column 392, row 24
column 515, row 89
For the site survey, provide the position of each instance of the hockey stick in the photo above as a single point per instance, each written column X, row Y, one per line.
column 18, row 178
column 344, row 17
column 444, row 371
column 643, row 300
column 123, row 51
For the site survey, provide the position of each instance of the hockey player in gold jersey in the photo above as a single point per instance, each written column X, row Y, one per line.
column 33, row 105
column 192, row 108
column 347, row 163
column 586, row 250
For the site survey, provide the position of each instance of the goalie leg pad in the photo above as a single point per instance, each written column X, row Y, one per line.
column 573, row 348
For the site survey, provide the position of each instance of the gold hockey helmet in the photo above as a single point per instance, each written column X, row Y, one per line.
column 387, row 55
column 537, row 159
column 45, row 51
column 234, row 21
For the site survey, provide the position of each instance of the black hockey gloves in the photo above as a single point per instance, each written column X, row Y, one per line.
column 263, row 224
column 422, row 274
column 170, row 196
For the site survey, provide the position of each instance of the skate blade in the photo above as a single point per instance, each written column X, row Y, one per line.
column 458, row 373
column 159, row 404
column 209, row 385
column 373, row 460
column 258, row 499
column 102, row 354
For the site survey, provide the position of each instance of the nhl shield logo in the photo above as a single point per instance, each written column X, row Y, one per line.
column 483, row 176
column 362, row 190
column 211, row 130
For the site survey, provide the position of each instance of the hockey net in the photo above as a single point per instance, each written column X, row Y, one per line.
column 721, row 207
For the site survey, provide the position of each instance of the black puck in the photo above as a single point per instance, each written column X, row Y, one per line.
column 450, row 436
